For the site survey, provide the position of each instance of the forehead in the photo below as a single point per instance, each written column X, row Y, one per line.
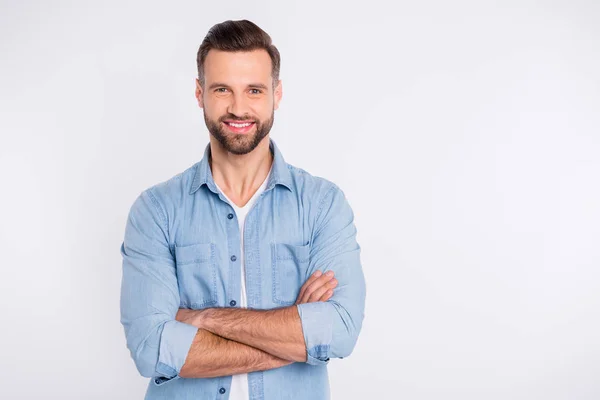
column 237, row 67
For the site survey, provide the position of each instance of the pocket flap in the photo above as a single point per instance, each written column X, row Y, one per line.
column 194, row 253
column 284, row 251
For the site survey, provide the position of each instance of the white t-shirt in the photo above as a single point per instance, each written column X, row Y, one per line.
column 239, row 382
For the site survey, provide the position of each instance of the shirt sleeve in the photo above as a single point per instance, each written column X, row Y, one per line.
column 331, row 328
column 157, row 342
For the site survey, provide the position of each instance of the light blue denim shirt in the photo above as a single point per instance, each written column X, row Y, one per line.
column 180, row 239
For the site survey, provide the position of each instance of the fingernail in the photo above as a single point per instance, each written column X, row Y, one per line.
column 329, row 273
column 318, row 273
column 333, row 282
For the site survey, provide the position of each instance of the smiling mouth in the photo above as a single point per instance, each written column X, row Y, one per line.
column 239, row 127
column 239, row 124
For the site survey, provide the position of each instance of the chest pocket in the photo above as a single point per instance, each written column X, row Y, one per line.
column 290, row 265
column 196, row 275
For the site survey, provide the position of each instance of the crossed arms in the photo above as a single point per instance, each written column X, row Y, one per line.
column 168, row 343
column 232, row 340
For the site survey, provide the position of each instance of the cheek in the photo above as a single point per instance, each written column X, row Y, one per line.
column 264, row 109
column 214, row 109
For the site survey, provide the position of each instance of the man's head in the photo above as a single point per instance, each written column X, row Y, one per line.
column 238, row 82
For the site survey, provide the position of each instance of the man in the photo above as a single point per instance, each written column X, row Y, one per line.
column 228, row 287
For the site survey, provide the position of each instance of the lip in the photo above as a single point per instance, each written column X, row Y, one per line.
column 237, row 121
column 242, row 130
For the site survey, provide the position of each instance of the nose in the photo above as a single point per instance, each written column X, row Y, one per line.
column 238, row 105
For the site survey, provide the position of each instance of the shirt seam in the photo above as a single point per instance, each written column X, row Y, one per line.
column 159, row 210
column 322, row 202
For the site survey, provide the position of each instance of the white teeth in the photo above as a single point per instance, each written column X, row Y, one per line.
column 239, row 125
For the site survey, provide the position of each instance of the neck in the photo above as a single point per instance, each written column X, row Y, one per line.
column 240, row 175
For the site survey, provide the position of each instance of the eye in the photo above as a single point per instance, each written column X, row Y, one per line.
column 256, row 91
column 220, row 90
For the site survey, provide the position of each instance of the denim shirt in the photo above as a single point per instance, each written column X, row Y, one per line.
column 178, row 252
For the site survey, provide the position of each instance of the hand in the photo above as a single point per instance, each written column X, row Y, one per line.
column 192, row 317
column 319, row 287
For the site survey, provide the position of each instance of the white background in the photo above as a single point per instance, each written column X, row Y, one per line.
column 466, row 138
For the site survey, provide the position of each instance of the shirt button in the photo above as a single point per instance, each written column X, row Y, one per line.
column 233, row 258
column 232, row 303
column 230, row 216
column 222, row 390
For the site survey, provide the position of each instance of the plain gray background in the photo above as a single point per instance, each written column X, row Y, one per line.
column 465, row 134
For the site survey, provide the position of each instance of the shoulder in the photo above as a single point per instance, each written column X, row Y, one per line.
column 304, row 181
column 166, row 194
column 181, row 182
column 317, row 190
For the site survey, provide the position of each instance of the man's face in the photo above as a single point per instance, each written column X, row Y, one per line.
column 238, row 98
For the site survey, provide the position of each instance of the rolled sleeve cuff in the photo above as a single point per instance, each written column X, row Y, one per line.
column 175, row 343
column 317, row 328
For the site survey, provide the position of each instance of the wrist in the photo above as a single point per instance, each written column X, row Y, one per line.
column 280, row 362
column 191, row 317
column 201, row 318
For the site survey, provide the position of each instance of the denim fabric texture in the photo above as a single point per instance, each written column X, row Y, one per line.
column 177, row 252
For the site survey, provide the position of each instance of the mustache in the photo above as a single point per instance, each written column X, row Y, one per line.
column 232, row 117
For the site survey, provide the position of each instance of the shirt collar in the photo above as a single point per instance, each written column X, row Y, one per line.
column 280, row 173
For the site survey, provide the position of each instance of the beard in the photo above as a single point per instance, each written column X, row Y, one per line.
column 239, row 143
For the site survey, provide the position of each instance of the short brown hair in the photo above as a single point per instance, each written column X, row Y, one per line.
column 242, row 35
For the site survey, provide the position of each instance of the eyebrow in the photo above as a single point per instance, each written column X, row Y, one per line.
column 251, row 85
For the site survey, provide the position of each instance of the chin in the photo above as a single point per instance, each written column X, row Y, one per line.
column 238, row 145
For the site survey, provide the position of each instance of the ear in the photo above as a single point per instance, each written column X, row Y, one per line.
column 199, row 93
column 278, row 93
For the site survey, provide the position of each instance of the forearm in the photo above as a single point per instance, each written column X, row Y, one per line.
column 276, row 331
column 211, row 356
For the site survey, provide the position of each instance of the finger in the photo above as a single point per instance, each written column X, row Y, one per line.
column 317, row 283
column 181, row 314
column 310, row 280
column 326, row 277
column 318, row 293
column 327, row 295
